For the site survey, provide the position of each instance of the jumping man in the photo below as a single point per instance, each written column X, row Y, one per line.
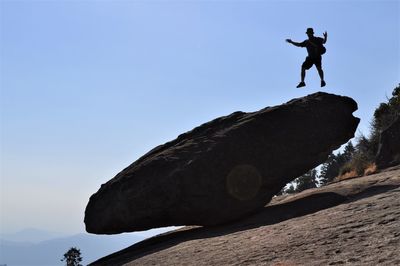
column 315, row 50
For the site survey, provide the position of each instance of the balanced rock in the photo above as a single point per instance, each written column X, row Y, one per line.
column 225, row 169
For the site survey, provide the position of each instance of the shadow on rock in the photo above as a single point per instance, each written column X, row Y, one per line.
column 269, row 215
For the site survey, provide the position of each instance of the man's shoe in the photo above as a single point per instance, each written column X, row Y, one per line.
column 301, row 84
column 323, row 83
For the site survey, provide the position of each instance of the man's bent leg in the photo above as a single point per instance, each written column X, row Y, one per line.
column 307, row 64
column 303, row 75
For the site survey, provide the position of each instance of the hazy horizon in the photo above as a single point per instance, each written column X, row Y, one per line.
column 87, row 87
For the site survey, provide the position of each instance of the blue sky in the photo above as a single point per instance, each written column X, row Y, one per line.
column 87, row 87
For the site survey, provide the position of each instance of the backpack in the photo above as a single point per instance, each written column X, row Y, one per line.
column 322, row 49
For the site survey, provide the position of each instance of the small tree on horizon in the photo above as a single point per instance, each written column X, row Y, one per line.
column 72, row 257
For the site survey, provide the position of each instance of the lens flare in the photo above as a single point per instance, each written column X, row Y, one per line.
column 243, row 182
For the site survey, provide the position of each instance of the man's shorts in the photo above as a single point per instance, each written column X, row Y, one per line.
column 310, row 61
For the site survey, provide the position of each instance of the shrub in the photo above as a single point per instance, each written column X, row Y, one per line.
column 360, row 162
column 346, row 168
column 371, row 169
column 347, row 175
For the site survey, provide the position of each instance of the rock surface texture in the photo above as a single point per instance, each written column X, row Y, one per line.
column 352, row 222
column 389, row 146
column 225, row 169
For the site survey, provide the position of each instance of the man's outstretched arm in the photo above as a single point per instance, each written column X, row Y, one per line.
column 298, row 44
column 325, row 37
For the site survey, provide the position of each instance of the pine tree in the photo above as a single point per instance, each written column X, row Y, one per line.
column 290, row 189
column 386, row 113
column 334, row 165
column 348, row 152
column 306, row 181
column 72, row 257
column 329, row 169
column 384, row 116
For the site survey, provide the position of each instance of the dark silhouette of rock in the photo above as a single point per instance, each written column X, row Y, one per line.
column 351, row 222
column 224, row 169
column 389, row 146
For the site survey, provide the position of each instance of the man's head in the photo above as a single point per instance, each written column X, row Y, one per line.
column 310, row 32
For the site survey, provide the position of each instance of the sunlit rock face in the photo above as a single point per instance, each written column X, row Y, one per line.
column 224, row 169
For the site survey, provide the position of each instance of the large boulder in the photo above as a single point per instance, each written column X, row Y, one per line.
column 224, row 169
column 389, row 146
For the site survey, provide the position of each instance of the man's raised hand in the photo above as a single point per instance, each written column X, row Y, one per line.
column 289, row 40
column 325, row 37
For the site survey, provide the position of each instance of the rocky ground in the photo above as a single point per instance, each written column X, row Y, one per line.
column 353, row 222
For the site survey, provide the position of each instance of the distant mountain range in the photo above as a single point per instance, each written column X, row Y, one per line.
column 37, row 247
column 31, row 235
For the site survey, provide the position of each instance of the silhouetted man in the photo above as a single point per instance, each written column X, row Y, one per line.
column 315, row 50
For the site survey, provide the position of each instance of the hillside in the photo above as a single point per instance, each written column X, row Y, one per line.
column 354, row 221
